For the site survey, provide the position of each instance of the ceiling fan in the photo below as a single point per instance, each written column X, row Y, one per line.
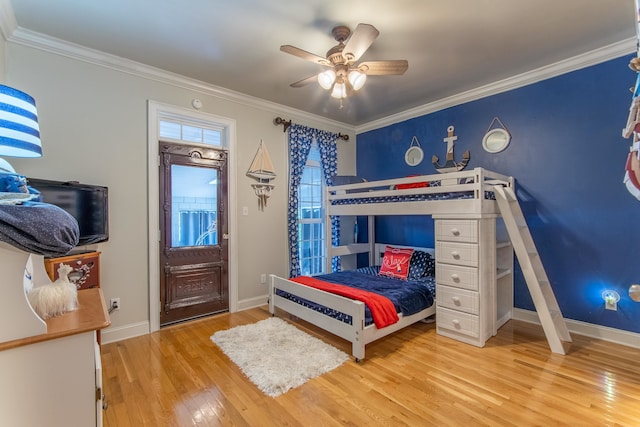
column 344, row 75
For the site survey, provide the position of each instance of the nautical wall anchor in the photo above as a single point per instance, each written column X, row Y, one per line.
column 451, row 165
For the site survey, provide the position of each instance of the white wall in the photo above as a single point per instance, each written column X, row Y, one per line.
column 3, row 45
column 93, row 122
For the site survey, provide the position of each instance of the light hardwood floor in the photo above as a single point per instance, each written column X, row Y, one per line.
column 178, row 377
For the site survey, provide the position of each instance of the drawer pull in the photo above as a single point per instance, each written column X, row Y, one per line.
column 455, row 254
column 455, row 277
column 456, row 323
column 456, row 301
column 455, row 231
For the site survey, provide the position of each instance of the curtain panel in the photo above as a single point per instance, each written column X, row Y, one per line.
column 300, row 140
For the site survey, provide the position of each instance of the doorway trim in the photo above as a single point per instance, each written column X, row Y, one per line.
column 155, row 110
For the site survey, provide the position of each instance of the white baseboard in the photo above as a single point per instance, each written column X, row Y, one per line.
column 113, row 334
column 120, row 333
column 604, row 333
column 252, row 302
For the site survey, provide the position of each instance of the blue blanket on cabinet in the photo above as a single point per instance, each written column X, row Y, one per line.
column 38, row 228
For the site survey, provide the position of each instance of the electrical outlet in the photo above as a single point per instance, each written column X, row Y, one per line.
column 114, row 303
column 611, row 299
column 263, row 278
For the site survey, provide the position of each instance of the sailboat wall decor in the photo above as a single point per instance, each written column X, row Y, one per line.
column 261, row 170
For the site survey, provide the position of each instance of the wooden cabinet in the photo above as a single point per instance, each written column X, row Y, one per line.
column 85, row 273
column 468, row 297
column 86, row 268
column 54, row 379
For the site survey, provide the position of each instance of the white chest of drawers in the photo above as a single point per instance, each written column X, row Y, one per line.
column 473, row 297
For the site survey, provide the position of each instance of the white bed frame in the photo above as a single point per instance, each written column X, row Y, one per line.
column 357, row 333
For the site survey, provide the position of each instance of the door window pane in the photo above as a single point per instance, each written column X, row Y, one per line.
column 192, row 133
column 212, row 137
column 175, row 130
column 170, row 130
column 194, row 206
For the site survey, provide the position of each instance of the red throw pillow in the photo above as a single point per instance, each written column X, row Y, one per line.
column 395, row 262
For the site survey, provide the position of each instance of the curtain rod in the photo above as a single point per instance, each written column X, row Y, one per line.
column 286, row 123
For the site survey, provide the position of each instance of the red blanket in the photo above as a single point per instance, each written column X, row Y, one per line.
column 382, row 309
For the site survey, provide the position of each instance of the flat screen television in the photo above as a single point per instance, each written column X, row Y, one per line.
column 88, row 204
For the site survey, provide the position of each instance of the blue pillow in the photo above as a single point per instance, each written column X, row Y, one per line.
column 373, row 270
column 421, row 264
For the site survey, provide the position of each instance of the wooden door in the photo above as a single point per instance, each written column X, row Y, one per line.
column 193, row 232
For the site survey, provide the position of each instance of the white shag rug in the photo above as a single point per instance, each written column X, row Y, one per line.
column 276, row 356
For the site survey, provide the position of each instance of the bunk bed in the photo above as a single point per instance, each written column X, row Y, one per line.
column 471, row 271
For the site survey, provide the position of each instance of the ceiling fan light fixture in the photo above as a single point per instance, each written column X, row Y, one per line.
column 357, row 79
column 339, row 91
column 326, row 79
column 346, row 75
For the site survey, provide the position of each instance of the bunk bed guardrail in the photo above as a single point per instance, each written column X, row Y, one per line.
column 476, row 180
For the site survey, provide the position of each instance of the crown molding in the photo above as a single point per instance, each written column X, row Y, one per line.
column 594, row 57
column 22, row 36
column 35, row 40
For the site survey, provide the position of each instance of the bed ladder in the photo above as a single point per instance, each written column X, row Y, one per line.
column 542, row 294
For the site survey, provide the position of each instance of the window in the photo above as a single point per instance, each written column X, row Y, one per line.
column 179, row 130
column 194, row 202
column 311, row 231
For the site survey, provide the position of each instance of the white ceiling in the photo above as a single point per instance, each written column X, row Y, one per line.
column 452, row 45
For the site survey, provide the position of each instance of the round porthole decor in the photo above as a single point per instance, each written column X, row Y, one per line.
column 496, row 140
column 414, row 154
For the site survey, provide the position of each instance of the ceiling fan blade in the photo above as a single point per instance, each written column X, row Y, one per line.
column 382, row 68
column 305, row 82
column 292, row 50
column 359, row 42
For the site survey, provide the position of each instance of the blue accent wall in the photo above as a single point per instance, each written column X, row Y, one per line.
column 568, row 155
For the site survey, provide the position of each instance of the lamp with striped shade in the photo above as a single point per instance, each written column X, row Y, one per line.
column 19, row 130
